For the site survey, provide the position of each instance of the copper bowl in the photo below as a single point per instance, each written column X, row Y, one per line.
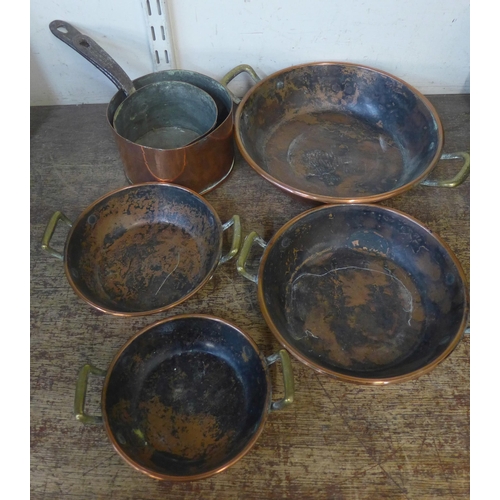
column 186, row 397
column 363, row 293
column 341, row 133
column 143, row 249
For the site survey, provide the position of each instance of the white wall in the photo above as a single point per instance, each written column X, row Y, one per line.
column 424, row 42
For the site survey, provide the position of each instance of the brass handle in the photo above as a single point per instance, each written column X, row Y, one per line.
column 235, row 245
column 459, row 178
column 252, row 238
column 49, row 231
column 81, row 393
column 288, row 383
column 231, row 75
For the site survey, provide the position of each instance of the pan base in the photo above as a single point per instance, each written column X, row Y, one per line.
column 354, row 310
column 168, row 138
column 190, row 409
column 148, row 266
column 186, row 398
column 333, row 154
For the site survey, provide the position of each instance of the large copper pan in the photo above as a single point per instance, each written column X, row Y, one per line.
column 341, row 133
column 360, row 292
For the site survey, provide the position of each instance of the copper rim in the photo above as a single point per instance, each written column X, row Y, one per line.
column 346, row 378
column 85, row 213
column 334, row 199
column 229, row 463
column 110, row 113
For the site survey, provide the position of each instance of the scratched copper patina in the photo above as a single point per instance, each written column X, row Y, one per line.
column 189, row 437
column 186, row 398
column 322, row 152
column 338, row 132
column 143, row 249
column 355, row 308
column 363, row 293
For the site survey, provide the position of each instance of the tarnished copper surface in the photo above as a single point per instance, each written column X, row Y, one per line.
column 338, row 132
column 339, row 441
column 143, row 249
column 200, row 166
column 363, row 293
column 166, row 115
column 186, row 397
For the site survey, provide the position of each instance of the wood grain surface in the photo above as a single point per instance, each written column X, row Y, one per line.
column 336, row 441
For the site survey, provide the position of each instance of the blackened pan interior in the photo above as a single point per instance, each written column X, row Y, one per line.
column 143, row 248
column 362, row 291
column 186, row 397
column 338, row 130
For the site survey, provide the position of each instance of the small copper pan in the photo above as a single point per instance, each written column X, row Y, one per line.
column 143, row 249
column 186, row 398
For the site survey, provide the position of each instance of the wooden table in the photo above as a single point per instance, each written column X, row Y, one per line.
column 337, row 440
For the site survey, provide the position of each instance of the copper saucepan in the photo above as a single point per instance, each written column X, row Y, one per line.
column 214, row 152
column 200, row 165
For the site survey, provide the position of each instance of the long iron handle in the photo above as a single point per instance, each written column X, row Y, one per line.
column 94, row 53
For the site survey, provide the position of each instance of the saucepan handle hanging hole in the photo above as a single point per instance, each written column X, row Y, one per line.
column 235, row 245
column 459, row 178
column 232, row 74
column 49, row 231
column 252, row 238
column 288, row 382
column 81, row 394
